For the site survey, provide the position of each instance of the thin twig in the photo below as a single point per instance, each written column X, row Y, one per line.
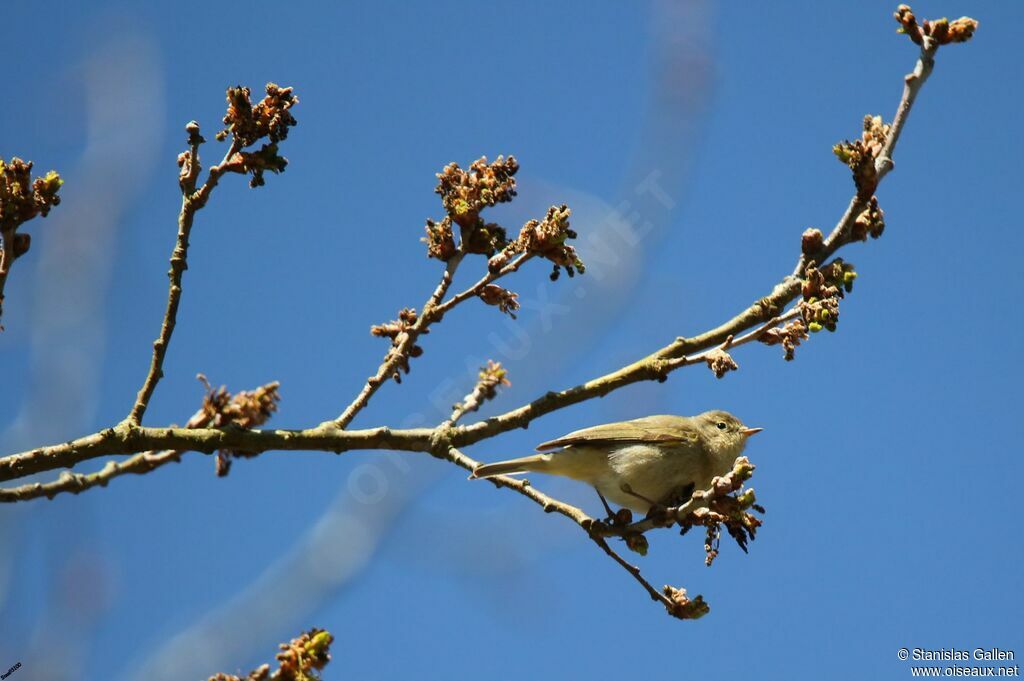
column 492, row 377
column 191, row 202
column 635, row 571
column 143, row 462
column 522, row 486
column 471, row 403
column 912, row 84
column 594, row 529
column 476, row 288
column 400, row 352
column 432, row 312
column 458, row 411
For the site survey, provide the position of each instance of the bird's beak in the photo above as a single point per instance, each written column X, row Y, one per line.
column 750, row 431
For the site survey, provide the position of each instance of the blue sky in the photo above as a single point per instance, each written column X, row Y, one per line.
column 891, row 448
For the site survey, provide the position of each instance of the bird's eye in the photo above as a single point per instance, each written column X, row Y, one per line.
column 721, row 425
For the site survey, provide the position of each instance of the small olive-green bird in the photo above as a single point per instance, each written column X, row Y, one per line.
column 643, row 462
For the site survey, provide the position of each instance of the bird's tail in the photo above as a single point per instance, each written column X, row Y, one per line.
column 526, row 464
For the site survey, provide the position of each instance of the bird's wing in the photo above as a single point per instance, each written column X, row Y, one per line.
column 648, row 429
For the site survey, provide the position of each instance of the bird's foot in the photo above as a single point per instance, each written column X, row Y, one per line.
column 615, row 519
column 660, row 514
column 664, row 511
column 607, row 508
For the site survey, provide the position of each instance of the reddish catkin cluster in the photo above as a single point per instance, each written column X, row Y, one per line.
column 301, row 659
column 502, row 298
column 545, row 238
column 683, row 607
column 726, row 504
column 788, row 336
column 822, row 290
column 22, row 198
column 270, row 119
column 465, row 193
column 491, row 377
column 395, row 330
column 440, row 239
column 860, row 155
column 870, row 222
column 942, row 31
column 244, row 409
column 720, row 362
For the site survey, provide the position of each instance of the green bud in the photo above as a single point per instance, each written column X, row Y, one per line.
column 319, row 642
column 841, row 152
column 744, row 471
column 53, row 180
column 747, row 499
column 814, row 327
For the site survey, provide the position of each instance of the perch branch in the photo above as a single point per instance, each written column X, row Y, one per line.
column 655, row 367
column 128, row 439
column 595, row 529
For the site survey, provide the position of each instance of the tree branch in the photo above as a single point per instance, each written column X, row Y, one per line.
column 655, row 367
column 464, row 195
column 127, row 439
column 143, row 462
column 22, row 198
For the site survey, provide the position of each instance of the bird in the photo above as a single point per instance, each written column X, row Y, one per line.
column 642, row 463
